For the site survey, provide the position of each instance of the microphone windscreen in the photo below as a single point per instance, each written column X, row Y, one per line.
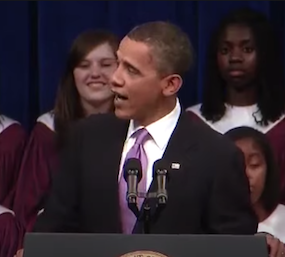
column 160, row 164
column 133, row 164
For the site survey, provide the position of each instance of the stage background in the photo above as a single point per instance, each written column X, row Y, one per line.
column 35, row 37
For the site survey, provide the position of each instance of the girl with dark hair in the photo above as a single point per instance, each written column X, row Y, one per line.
column 244, row 81
column 263, row 176
column 84, row 90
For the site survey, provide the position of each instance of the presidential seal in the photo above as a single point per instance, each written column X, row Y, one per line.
column 143, row 254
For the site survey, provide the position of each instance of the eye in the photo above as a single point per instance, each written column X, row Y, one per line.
column 132, row 70
column 83, row 65
column 106, row 64
column 254, row 165
column 224, row 50
column 109, row 63
column 248, row 49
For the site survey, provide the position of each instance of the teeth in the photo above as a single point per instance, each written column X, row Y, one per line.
column 120, row 97
column 96, row 84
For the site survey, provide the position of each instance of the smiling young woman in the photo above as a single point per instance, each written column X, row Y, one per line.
column 84, row 90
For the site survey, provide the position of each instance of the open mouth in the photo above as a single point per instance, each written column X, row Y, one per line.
column 119, row 97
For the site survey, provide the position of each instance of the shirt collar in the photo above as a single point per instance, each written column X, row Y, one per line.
column 160, row 130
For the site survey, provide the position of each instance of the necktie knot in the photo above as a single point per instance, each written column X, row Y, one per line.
column 141, row 136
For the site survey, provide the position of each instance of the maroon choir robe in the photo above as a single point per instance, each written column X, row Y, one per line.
column 39, row 161
column 12, row 143
column 236, row 116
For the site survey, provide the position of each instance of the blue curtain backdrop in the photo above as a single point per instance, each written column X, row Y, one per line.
column 35, row 37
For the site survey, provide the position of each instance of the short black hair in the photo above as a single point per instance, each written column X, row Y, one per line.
column 170, row 45
column 270, row 69
column 271, row 194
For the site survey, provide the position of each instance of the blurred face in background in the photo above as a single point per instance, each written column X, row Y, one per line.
column 92, row 76
column 255, row 167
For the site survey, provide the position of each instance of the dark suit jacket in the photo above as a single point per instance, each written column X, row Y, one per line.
column 208, row 194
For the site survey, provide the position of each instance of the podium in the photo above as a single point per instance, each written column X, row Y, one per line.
column 119, row 245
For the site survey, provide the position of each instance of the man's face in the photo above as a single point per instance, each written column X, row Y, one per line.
column 136, row 83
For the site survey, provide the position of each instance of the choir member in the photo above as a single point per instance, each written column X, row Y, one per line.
column 263, row 175
column 83, row 90
column 244, row 81
column 13, row 138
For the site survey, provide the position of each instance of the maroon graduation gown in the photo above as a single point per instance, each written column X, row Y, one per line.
column 38, row 163
column 12, row 143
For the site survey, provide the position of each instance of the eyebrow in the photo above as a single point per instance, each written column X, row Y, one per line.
column 101, row 59
column 126, row 63
column 259, row 155
column 130, row 65
column 244, row 41
column 108, row 58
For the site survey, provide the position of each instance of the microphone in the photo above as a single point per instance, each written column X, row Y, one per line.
column 132, row 175
column 161, row 174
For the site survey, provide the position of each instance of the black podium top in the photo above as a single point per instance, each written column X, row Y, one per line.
column 117, row 245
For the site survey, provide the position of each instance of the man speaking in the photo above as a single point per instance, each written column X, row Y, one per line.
column 207, row 189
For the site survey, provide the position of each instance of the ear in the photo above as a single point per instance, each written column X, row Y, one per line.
column 172, row 84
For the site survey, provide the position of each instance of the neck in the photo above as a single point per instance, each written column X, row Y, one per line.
column 103, row 107
column 261, row 213
column 165, row 108
column 241, row 98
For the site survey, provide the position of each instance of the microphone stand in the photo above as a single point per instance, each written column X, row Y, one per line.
column 146, row 218
column 132, row 204
column 145, row 215
column 146, row 210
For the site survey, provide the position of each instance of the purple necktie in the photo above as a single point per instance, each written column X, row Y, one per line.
column 137, row 151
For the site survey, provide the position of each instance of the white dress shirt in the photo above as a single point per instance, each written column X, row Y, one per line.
column 275, row 223
column 236, row 116
column 160, row 131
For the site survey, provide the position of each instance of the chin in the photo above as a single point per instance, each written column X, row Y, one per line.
column 97, row 99
column 240, row 87
column 122, row 115
column 240, row 84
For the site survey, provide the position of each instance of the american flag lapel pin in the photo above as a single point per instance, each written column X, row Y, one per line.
column 175, row 166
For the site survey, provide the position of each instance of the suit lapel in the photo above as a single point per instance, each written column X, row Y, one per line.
column 117, row 143
column 180, row 143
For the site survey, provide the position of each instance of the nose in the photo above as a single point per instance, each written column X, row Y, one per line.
column 249, row 174
column 117, row 78
column 236, row 56
column 249, row 179
column 95, row 71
